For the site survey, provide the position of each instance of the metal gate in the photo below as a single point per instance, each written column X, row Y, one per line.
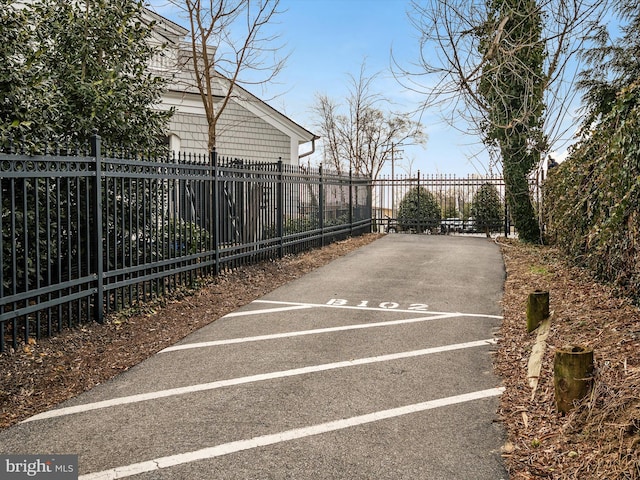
column 454, row 196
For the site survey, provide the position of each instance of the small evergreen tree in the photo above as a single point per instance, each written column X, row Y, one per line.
column 486, row 209
column 418, row 210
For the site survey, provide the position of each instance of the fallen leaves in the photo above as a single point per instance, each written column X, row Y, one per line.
column 600, row 438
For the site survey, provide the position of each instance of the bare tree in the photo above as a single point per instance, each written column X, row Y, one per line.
column 326, row 111
column 453, row 60
column 408, row 166
column 361, row 136
column 230, row 45
column 508, row 68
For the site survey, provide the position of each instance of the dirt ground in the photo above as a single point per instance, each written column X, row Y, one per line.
column 599, row 439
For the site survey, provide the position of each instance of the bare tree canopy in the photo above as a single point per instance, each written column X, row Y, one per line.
column 231, row 45
column 451, row 63
column 361, row 136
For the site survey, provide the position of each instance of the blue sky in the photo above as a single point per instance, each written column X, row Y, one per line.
column 329, row 39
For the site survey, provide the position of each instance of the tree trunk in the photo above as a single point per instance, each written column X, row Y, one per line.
column 537, row 309
column 518, row 196
column 572, row 375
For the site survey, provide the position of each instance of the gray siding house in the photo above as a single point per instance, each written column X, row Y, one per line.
column 248, row 128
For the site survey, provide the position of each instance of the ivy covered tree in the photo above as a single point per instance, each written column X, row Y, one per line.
column 70, row 69
column 592, row 200
column 486, row 209
column 512, row 85
column 505, row 70
column 419, row 210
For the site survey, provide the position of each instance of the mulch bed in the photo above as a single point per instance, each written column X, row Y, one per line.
column 600, row 438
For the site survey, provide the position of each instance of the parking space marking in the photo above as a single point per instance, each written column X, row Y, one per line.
column 359, row 326
column 372, row 309
column 267, row 310
column 60, row 412
column 297, row 433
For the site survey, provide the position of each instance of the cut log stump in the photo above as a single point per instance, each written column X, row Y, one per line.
column 537, row 309
column 572, row 375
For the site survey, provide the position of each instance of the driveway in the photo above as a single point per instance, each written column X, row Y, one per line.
column 376, row 366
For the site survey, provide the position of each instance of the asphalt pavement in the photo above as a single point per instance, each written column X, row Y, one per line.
column 376, row 366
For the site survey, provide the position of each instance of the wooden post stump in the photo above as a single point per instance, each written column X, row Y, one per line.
column 537, row 309
column 572, row 375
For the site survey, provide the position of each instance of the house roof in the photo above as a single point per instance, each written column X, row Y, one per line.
column 303, row 133
column 164, row 25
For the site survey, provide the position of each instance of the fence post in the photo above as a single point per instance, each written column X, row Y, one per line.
column 96, row 233
column 351, row 203
column 216, row 213
column 321, row 205
column 280, row 207
column 506, row 218
column 418, row 206
column 370, row 209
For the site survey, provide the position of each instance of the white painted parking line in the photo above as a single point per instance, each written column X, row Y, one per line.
column 373, row 309
column 273, row 336
column 264, row 440
column 267, row 310
column 250, row 379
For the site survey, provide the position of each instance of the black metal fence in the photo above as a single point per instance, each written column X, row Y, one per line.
column 85, row 233
column 454, row 196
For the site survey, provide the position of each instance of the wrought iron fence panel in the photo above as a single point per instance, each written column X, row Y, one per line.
column 89, row 233
column 156, row 227
column 46, row 281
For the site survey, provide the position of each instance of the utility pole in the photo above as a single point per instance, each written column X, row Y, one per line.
column 393, row 177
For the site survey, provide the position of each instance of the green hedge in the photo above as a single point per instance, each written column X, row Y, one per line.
column 592, row 200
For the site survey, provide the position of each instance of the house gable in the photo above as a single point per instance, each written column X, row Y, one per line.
column 248, row 128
